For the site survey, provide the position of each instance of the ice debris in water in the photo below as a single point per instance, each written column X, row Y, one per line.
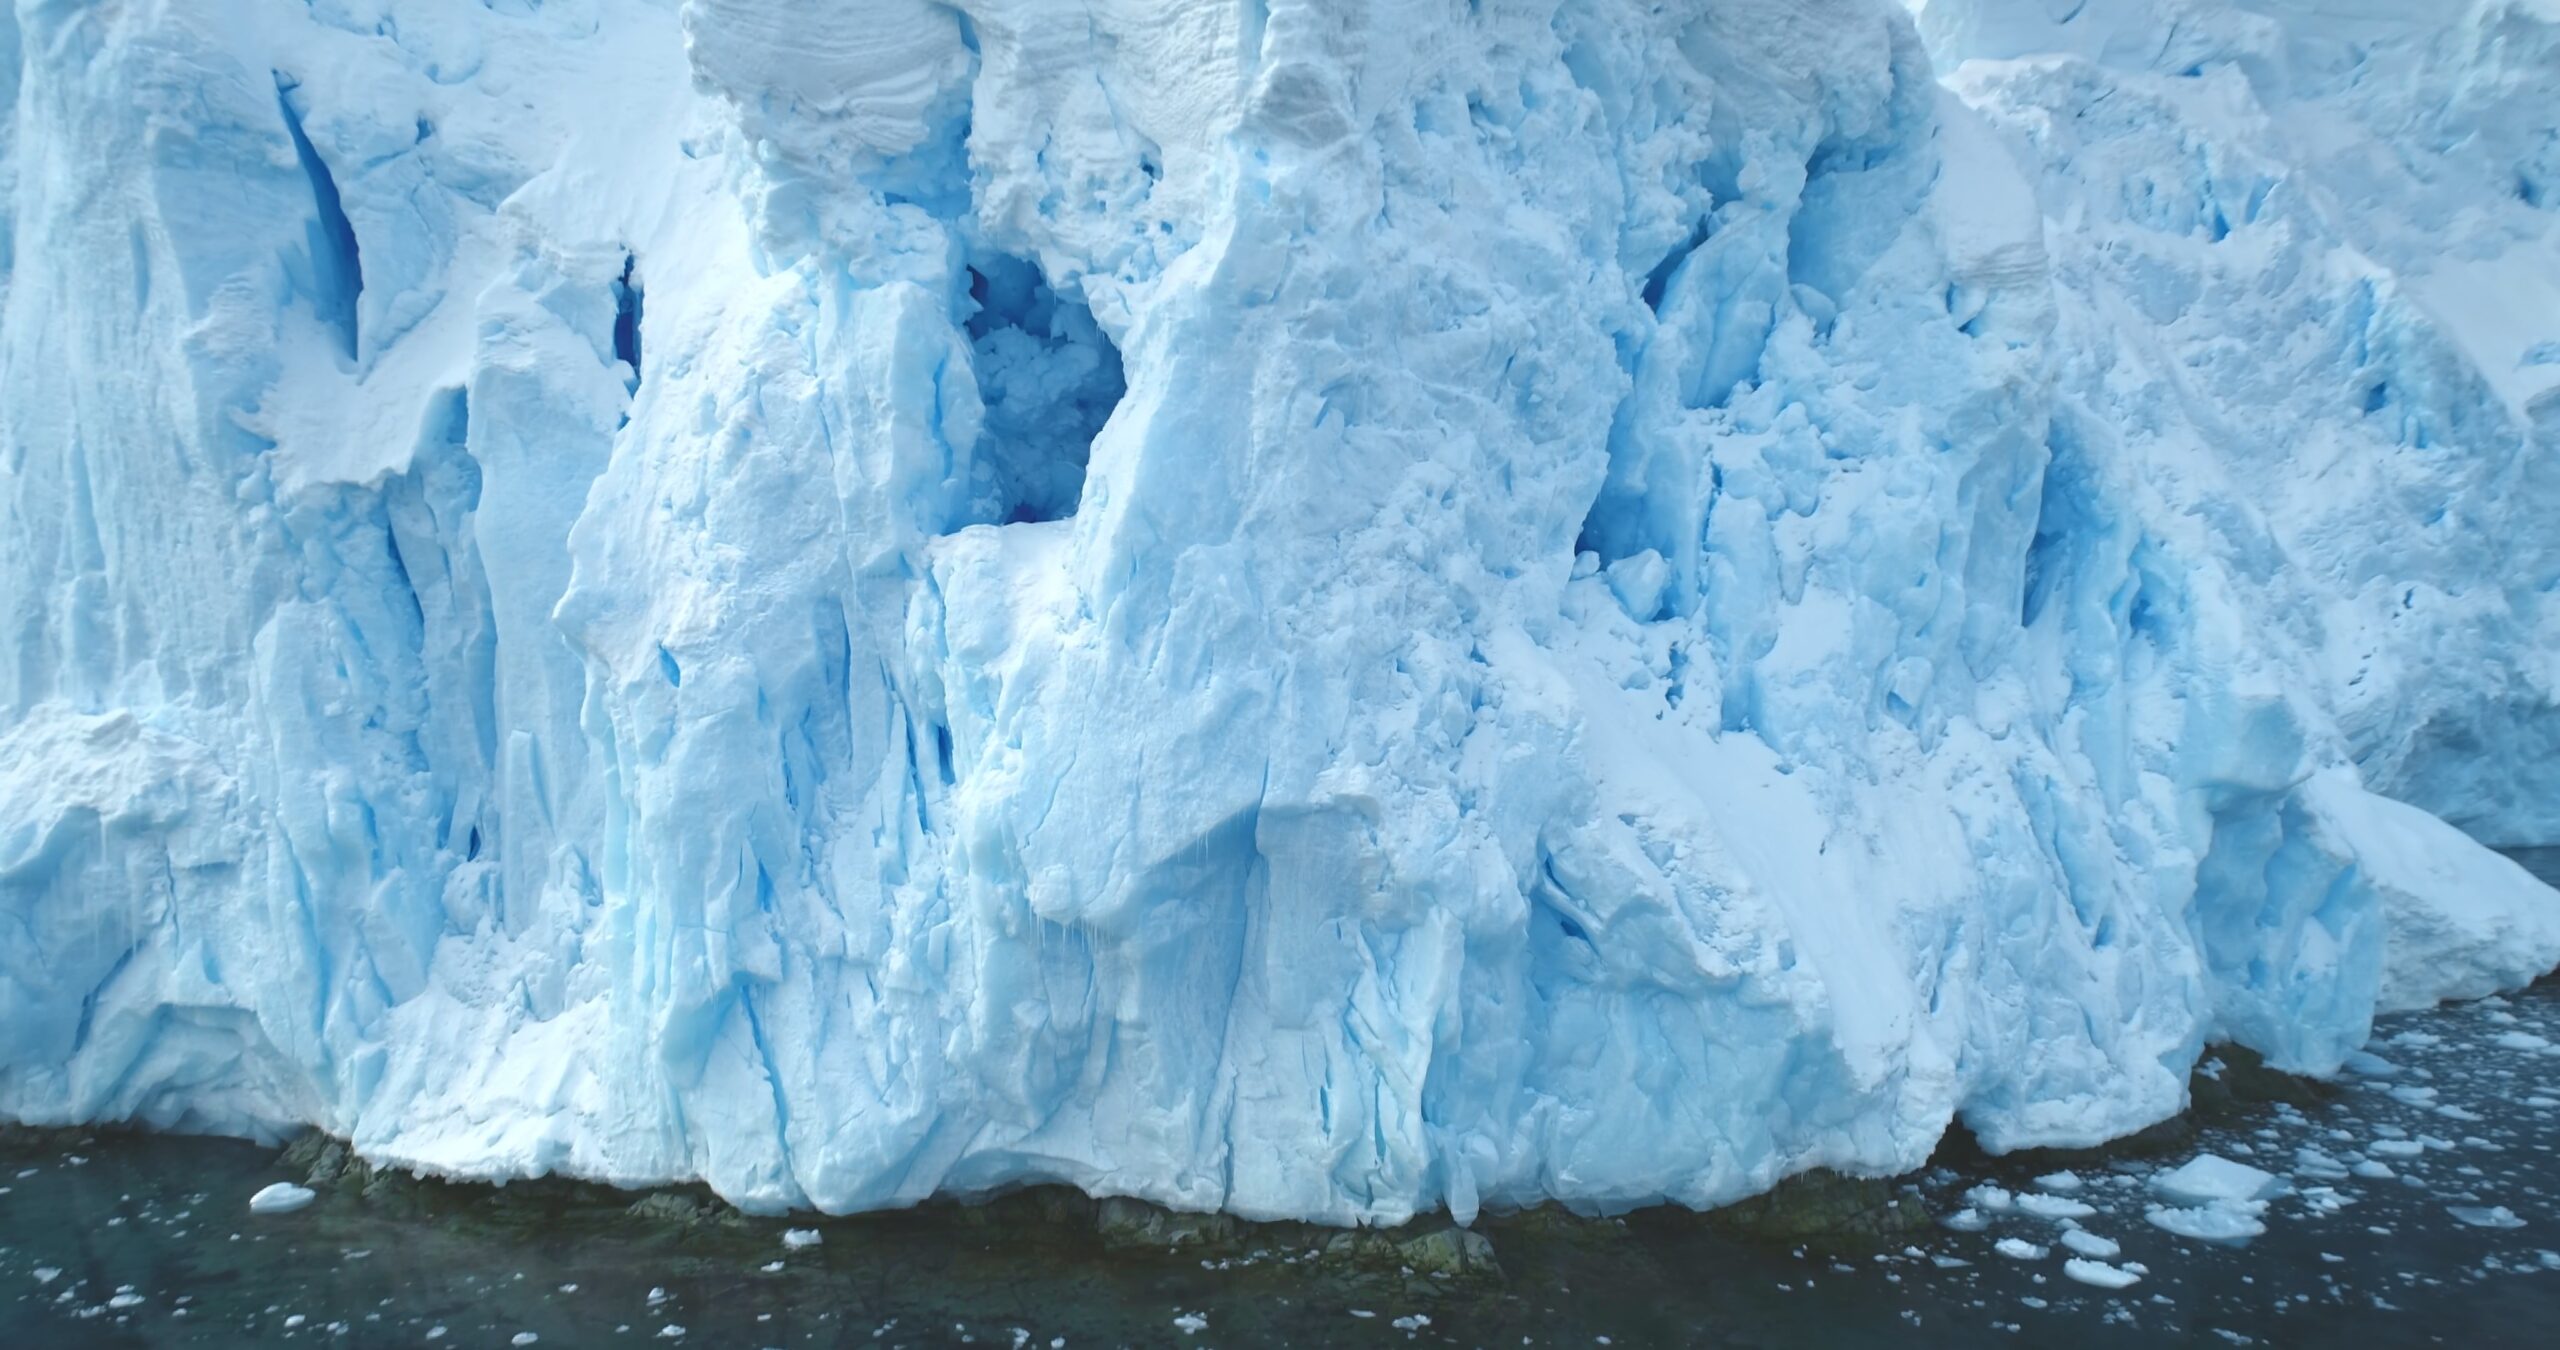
column 2210, row 1179
column 2490, row 1216
column 800, row 1239
column 2019, row 1249
column 2099, row 1273
column 2226, row 1223
column 1191, row 1323
column 2045, row 1206
column 281, row 1198
column 1990, row 1198
column 2089, row 1244
column 937, row 599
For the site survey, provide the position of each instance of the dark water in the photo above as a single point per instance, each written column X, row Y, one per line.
column 115, row 1240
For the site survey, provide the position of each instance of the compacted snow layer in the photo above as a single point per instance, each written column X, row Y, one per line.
column 1317, row 611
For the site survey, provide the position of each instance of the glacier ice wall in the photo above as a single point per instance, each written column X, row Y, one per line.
column 1320, row 609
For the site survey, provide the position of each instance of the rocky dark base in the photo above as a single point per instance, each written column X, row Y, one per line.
column 1822, row 1211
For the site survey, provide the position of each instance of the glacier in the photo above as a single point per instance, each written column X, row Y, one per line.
column 1320, row 608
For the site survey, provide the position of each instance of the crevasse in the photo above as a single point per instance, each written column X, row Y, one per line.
column 1322, row 610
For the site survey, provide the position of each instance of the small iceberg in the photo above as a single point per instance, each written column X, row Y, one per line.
column 281, row 1198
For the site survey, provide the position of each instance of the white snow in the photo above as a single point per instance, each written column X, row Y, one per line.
column 1286, row 608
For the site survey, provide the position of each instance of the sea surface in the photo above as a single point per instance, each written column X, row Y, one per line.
column 2419, row 1204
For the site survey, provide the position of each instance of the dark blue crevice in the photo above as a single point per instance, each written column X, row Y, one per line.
column 335, row 279
column 626, row 318
column 1048, row 377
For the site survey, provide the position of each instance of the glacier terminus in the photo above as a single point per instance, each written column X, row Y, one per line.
column 1319, row 608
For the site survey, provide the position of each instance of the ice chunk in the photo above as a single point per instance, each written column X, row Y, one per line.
column 2054, row 1206
column 2228, row 1222
column 2099, row 1273
column 281, row 1198
column 2208, row 1178
column 2485, row 1216
column 801, row 1239
column 2090, row 1244
column 2019, row 1249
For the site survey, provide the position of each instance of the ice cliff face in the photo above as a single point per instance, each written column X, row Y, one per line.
column 1317, row 608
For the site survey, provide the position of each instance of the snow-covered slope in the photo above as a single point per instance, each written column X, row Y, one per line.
column 1317, row 608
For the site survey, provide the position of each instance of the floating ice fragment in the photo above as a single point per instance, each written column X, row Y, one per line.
column 800, row 1239
column 2397, row 1148
column 2491, row 1216
column 2209, row 1178
column 2099, row 1273
column 2522, row 1040
column 2054, row 1206
column 2060, row 1181
column 523, row 1338
column 671, row 1332
column 2019, row 1249
column 47, row 1274
column 2089, row 1244
column 1414, row 1322
column 1192, row 1323
column 1993, row 1198
column 1966, row 1220
column 281, row 1198
column 2229, row 1221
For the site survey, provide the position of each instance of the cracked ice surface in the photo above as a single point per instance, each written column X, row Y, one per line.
column 1320, row 610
